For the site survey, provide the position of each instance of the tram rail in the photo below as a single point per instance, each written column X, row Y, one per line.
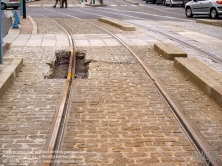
column 206, row 54
column 189, row 128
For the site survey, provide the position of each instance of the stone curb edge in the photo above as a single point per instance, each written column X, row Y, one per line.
column 199, row 73
column 9, row 73
column 169, row 51
column 126, row 27
column 34, row 26
column 210, row 22
column 17, row 30
column 6, row 47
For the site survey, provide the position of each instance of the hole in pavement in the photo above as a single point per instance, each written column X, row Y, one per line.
column 59, row 69
column 81, row 69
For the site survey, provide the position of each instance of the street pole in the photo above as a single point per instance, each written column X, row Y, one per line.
column 1, row 49
column 24, row 8
column 21, row 7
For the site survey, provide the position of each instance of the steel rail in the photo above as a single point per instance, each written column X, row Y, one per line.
column 189, row 128
column 52, row 150
column 209, row 55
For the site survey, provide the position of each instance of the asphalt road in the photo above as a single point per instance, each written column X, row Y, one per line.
column 121, row 9
column 6, row 23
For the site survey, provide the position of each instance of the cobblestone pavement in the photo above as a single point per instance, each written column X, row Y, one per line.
column 203, row 111
column 116, row 116
column 28, row 107
column 174, row 28
column 76, row 26
column 127, row 122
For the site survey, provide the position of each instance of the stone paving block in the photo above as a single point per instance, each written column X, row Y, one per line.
column 202, row 38
column 202, row 76
column 82, row 43
column 169, row 51
column 117, row 23
column 35, row 40
column 9, row 73
column 9, row 38
column 111, row 42
column 138, row 42
column 27, row 119
column 111, row 124
column 97, row 42
column 21, row 40
column 210, row 22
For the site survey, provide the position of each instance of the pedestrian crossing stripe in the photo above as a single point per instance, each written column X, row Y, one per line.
column 124, row 5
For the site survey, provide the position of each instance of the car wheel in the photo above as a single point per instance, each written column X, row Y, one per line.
column 213, row 13
column 188, row 12
column 3, row 6
column 171, row 5
column 15, row 7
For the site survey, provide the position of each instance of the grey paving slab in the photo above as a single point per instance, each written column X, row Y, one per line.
column 111, row 42
column 202, row 38
column 82, row 43
column 138, row 42
column 79, row 37
column 96, row 42
column 10, row 38
column 62, row 40
column 21, row 40
column 49, row 40
column 35, row 40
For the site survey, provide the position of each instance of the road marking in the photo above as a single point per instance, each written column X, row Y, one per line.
column 124, row 5
column 155, row 15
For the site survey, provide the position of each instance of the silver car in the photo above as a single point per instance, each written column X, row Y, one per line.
column 15, row 4
column 213, row 8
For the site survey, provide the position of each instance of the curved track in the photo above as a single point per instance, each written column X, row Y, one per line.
column 213, row 57
column 189, row 128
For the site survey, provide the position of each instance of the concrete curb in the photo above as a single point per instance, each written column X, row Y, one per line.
column 16, row 31
column 207, row 79
column 135, row 3
column 34, row 26
column 117, row 23
column 210, row 22
column 6, row 47
column 9, row 73
column 95, row 5
column 169, row 51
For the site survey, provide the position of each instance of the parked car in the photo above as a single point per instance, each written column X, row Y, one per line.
column 152, row 1
column 173, row 2
column 15, row 4
column 160, row 2
column 185, row 2
column 213, row 8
